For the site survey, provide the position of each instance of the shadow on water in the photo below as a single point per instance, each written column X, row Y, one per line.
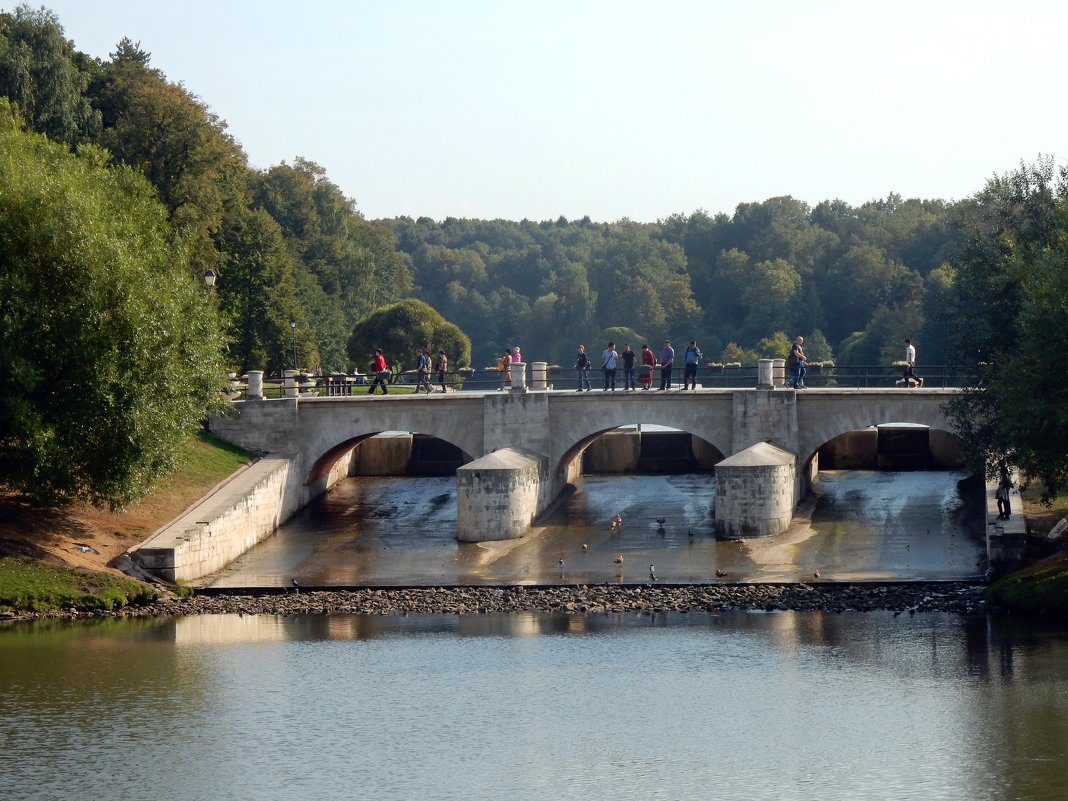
column 401, row 531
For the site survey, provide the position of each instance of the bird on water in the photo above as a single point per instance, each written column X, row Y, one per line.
column 618, row 560
column 720, row 573
column 652, row 572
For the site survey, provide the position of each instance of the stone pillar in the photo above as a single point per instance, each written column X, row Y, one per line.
column 292, row 390
column 255, row 384
column 539, row 374
column 764, row 375
column 519, row 377
column 755, row 492
column 778, row 372
column 499, row 495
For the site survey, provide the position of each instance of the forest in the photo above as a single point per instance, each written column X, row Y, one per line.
column 305, row 280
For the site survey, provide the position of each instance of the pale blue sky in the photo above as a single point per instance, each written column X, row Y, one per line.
column 490, row 108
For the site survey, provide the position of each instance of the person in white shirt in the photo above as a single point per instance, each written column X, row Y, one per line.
column 910, row 365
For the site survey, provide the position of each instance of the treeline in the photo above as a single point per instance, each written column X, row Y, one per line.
column 122, row 189
column 853, row 281
column 297, row 264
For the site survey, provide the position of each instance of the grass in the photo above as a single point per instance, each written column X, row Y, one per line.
column 37, row 587
column 1041, row 588
column 32, row 577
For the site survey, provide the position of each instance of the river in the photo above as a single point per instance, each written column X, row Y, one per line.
column 672, row 706
column 859, row 525
column 788, row 705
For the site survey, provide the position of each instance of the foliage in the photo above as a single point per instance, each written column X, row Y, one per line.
column 37, row 587
column 258, row 295
column 1012, row 311
column 110, row 350
column 402, row 328
column 1041, row 588
column 42, row 73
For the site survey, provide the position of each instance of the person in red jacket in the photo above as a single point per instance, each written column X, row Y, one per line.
column 648, row 363
column 381, row 372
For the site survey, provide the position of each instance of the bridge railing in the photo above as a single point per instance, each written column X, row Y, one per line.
column 560, row 378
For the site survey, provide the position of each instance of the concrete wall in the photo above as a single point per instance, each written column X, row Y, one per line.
column 499, row 495
column 850, row 451
column 755, row 492
column 613, row 452
column 230, row 521
column 382, row 455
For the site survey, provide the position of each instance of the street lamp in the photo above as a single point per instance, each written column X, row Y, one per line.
column 209, row 278
column 293, row 329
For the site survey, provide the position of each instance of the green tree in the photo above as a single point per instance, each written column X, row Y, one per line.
column 183, row 149
column 110, row 350
column 258, row 293
column 1010, row 323
column 42, row 73
column 401, row 328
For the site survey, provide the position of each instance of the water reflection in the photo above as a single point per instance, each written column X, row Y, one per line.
column 401, row 531
column 785, row 705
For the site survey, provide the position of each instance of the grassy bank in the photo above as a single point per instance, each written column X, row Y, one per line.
column 57, row 557
column 1041, row 588
column 37, row 587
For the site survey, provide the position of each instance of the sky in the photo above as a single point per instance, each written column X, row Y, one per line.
column 613, row 109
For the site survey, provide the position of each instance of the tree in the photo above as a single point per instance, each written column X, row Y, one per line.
column 258, row 293
column 1011, row 323
column 402, row 328
column 110, row 350
column 181, row 147
column 41, row 72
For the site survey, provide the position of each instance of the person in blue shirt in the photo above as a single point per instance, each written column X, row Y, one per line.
column 609, row 361
column 690, row 362
column 667, row 358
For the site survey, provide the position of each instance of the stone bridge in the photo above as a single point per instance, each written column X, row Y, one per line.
column 525, row 446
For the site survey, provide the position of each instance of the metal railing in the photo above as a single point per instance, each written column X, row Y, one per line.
column 561, row 378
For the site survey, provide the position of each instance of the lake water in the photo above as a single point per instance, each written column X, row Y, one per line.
column 529, row 706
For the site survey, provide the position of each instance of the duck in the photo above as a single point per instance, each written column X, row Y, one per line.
column 585, row 547
column 660, row 521
column 618, row 560
column 652, row 572
column 816, row 574
column 561, row 563
column 720, row 573
column 619, row 520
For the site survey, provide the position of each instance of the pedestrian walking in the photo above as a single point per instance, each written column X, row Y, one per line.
column 422, row 371
column 1003, row 494
column 910, row 378
column 381, row 371
column 504, row 367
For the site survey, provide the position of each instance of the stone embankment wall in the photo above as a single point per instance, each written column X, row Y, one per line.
column 230, row 521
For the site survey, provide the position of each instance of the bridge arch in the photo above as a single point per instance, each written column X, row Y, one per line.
column 575, row 428
column 837, row 419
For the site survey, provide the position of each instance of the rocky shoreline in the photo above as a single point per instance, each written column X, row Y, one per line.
column 954, row 597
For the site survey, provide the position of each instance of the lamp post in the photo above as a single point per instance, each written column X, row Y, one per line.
column 209, row 279
column 293, row 330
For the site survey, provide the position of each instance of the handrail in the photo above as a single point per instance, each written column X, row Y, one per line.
column 561, row 378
